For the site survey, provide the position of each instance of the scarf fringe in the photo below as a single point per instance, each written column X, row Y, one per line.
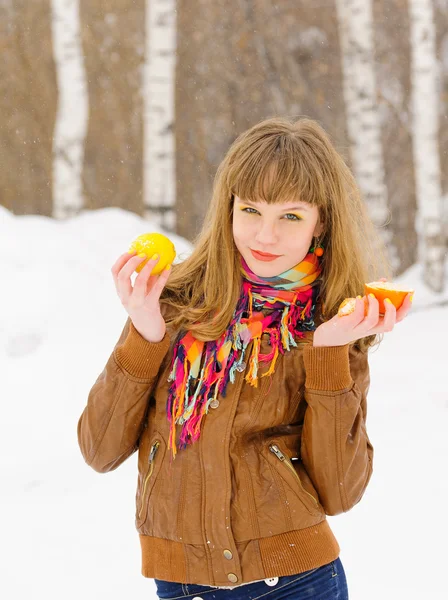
column 191, row 392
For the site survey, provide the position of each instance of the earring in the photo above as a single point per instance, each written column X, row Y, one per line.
column 317, row 249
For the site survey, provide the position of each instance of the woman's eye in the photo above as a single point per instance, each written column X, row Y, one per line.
column 295, row 217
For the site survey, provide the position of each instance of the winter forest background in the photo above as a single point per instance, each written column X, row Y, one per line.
column 114, row 115
column 133, row 104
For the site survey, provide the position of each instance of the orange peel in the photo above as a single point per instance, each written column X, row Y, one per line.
column 387, row 289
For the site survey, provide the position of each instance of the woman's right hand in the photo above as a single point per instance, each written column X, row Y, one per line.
column 141, row 301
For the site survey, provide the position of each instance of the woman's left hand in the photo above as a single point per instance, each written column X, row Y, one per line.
column 339, row 331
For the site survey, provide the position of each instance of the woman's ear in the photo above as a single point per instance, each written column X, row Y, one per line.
column 318, row 230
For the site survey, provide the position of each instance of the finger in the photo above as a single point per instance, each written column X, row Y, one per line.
column 371, row 320
column 124, row 286
column 118, row 265
column 389, row 316
column 141, row 281
column 405, row 307
column 158, row 286
column 356, row 317
column 120, row 262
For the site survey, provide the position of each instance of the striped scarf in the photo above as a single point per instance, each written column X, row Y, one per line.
column 292, row 296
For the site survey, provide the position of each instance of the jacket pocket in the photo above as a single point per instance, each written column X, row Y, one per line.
column 155, row 457
column 283, row 465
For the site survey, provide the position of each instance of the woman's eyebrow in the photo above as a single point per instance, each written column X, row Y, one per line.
column 301, row 206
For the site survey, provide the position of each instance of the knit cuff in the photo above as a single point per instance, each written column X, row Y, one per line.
column 141, row 358
column 327, row 368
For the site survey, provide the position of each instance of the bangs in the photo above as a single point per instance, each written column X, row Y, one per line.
column 277, row 170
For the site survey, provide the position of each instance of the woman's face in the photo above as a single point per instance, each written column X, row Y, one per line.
column 283, row 229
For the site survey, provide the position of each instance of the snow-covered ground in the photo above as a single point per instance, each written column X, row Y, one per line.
column 67, row 531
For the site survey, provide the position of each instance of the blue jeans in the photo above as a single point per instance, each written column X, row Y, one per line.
column 324, row 583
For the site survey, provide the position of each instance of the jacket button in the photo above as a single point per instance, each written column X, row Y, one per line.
column 232, row 577
column 271, row 581
column 228, row 554
column 214, row 403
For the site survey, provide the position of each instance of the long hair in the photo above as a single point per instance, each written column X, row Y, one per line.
column 203, row 290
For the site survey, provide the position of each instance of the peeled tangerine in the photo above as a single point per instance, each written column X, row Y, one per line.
column 154, row 243
column 346, row 307
column 381, row 290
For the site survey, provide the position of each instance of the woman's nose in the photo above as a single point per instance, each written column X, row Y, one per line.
column 267, row 234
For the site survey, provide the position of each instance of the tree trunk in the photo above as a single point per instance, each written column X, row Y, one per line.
column 113, row 41
column 425, row 143
column 363, row 123
column 72, row 114
column 393, row 79
column 441, row 25
column 159, row 180
column 27, row 107
column 242, row 62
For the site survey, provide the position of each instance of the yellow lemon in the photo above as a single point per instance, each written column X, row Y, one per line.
column 150, row 244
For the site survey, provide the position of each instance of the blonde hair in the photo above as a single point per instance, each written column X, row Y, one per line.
column 204, row 289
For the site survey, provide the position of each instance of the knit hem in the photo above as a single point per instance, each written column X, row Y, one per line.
column 327, row 368
column 141, row 358
column 288, row 553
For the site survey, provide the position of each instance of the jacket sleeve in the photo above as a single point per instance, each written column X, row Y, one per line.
column 335, row 447
column 111, row 423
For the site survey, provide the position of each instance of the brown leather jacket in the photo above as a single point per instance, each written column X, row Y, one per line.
column 249, row 499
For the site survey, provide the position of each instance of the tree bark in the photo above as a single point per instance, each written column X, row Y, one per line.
column 355, row 21
column 425, row 124
column 240, row 63
column 441, row 25
column 159, row 181
column 27, row 107
column 393, row 77
column 113, row 41
column 73, row 110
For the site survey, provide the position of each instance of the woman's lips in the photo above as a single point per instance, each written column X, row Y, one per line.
column 262, row 257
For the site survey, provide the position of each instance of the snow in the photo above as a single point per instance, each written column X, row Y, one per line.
column 67, row 530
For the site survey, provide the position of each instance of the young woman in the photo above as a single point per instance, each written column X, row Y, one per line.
column 240, row 387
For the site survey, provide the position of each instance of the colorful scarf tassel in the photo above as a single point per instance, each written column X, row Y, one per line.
column 291, row 294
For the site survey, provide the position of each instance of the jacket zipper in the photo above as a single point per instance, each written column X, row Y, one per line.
column 279, row 454
column 152, row 454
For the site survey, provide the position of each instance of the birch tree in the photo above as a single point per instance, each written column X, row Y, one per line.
column 159, row 177
column 363, row 122
column 425, row 126
column 72, row 112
